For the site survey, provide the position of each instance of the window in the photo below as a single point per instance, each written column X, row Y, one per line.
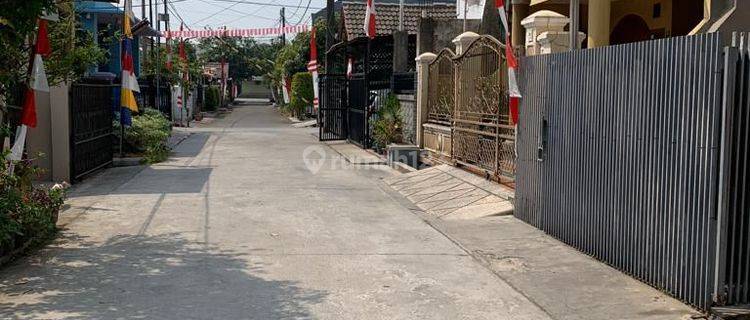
column 657, row 10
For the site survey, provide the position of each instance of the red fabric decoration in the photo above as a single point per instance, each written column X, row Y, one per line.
column 42, row 40
column 28, row 113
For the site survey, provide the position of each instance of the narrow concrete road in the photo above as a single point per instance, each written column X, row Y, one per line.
column 236, row 226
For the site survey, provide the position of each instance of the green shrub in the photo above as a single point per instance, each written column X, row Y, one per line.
column 148, row 135
column 388, row 126
column 302, row 93
column 27, row 212
column 213, row 98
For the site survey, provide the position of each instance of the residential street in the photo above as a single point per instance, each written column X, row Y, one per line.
column 235, row 226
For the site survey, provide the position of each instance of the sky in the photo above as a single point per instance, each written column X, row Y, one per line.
column 234, row 14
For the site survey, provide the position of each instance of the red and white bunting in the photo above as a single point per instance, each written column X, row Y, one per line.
column 370, row 21
column 313, row 67
column 237, row 33
column 513, row 91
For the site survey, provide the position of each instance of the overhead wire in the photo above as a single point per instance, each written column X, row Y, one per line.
column 304, row 13
column 253, row 13
column 220, row 11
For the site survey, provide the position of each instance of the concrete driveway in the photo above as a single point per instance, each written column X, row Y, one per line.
column 236, row 226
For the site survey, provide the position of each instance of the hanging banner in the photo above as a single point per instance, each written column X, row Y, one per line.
column 241, row 33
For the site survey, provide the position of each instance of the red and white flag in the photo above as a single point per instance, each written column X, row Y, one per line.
column 370, row 19
column 285, row 89
column 37, row 82
column 169, row 51
column 349, row 68
column 313, row 67
column 41, row 49
column 513, row 92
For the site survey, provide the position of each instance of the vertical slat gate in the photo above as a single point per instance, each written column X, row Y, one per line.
column 357, row 110
column 736, row 226
column 332, row 114
column 91, row 109
column 618, row 156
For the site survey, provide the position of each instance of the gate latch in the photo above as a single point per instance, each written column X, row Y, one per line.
column 542, row 143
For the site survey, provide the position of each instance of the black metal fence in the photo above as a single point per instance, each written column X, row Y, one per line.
column 147, row 97
column 619, row 156
column 14, row 101
column 403, row 82
column 332, row 114
column 357, row 113
column 91, row 113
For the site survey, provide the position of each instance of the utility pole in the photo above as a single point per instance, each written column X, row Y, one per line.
column 330, row 25
column 466, row 13
column 283, row 25
column 143, row 9
column 574, row 21
column 151, row 19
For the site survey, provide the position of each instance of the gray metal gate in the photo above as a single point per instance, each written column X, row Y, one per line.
column 733, row 279
column 619, row 154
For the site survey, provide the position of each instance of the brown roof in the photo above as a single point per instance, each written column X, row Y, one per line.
column 387, row 17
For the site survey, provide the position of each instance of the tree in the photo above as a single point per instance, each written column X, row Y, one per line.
column 293, row 57
column 73, row 48
column 17, row 23
column 246, row 57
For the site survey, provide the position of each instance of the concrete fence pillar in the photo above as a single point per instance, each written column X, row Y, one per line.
column 599, row 23
column 60, row 129
column 464, row 40
column 423, row 70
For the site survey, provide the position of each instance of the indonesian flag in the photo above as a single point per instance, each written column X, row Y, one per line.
column 183, row 55
column 513, row 92
column 129, row 82
column 169, row 51
column 41, row 49
column 313, row 67
column 370, row 19
column 37, row 82
column 349, row 68
column 285, row 88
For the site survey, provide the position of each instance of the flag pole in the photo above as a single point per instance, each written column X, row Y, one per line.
column 122, row 124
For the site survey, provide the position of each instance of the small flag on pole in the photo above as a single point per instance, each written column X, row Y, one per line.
column 169, row 51
column 513, row 91
column 37, row 82
column 313, row 67
column 41, row 49
column 129, row 82
column 370, row 24
column 349, row 68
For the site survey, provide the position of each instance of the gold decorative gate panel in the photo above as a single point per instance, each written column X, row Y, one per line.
column 483, row 136
column 441, row 89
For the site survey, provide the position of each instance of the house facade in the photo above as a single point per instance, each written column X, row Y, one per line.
column 612, row 22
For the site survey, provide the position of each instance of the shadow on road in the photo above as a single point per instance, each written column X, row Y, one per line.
column 148, row 277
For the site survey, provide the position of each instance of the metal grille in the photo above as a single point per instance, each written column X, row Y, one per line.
column 402, row 82
column 483, row 138
column 735, row 224
column 357, row 119
column 441, row 88
column 619, row 154
column 332, row 114
column 147, row 97
column 14, row 101
column 91, row 109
